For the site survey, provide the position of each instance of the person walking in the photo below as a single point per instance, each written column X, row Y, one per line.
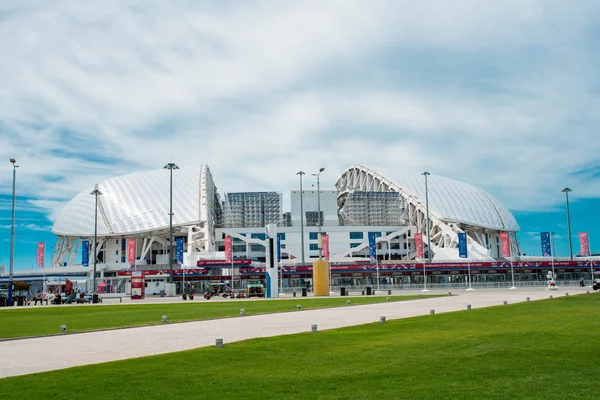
column 581, row 281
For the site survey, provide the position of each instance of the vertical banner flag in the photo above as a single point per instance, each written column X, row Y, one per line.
column 462, row 245
column 419, row 245
column 69, row 287
column 85, row 253
column 584, row 244
column 228, row 249
column 278, row 247
column 505, row 242
column 131, row 251
column 546, row 247
column 40, row 254
column 325, row 243
column 372, row 246
column 179, row 250
column 123, row 250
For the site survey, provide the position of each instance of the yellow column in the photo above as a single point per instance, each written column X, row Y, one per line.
column 321, row 278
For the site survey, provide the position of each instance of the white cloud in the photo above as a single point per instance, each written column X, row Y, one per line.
column 499, row 93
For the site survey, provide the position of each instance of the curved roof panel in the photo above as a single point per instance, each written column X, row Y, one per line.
column 133, row 203
column 460, row 202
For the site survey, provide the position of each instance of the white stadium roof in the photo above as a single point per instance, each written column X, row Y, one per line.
column 460, row 202
column 134, row 203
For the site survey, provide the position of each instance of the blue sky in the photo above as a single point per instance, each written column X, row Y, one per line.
column 500, row 94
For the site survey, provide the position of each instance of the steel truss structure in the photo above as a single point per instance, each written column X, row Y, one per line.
column 444, row 233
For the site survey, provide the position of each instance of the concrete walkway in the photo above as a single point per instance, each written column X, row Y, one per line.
column 56, row 352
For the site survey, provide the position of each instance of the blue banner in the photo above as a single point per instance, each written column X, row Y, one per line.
column 372, row 246
column 85, row 253
column 123, row 250
column 278, row 248
column 546, row 247
column 179, row 250
column 462, row 245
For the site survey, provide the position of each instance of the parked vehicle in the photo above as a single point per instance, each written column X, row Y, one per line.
column 596, row 284
column 256, row 290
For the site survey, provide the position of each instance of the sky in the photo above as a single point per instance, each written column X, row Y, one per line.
column 502, row 94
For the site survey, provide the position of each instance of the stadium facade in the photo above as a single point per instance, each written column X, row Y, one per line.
column 136, row 206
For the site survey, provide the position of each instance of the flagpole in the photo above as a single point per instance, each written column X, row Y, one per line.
column 512, row 271
column 469, row 269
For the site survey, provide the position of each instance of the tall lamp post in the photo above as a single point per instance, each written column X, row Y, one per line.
column 552, row 253
column 171, row 167
column 321, row 223
column 566, row 191
column 95, row 193
column 12, row 235
column 426, row 174
column 301, row 216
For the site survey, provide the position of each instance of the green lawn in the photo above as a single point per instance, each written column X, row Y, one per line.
column 23, row 321
column 539, row 350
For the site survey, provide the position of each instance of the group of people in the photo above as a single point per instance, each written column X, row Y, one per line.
column 41, row 297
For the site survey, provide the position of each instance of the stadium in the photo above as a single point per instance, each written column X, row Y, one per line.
column 136, row 207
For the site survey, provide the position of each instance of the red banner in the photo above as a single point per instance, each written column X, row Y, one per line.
column 584, row 244
column 228, row 249
column 419, row 245
column 505, row 242
column 40, row 254
column 325, row 245
column 137, row 285
column 131, row 251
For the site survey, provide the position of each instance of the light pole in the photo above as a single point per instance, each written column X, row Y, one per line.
column 301, row 216
column 319, row 211
column 566, row 192
column 171, row 167
column 552, row 253
column 95, row 193
column 426, row 174
column 12, row 235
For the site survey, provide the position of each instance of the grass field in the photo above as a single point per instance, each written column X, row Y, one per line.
column 23, row 321
column 538, row 350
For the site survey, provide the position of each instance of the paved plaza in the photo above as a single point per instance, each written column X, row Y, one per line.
column 56, row 352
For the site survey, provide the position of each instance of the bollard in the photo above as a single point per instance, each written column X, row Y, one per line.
column 528, row 299
column 505, row 302
column 164, row 318
column 468, row 306
column 449, row 293
column 567, row 293
column 348, row 302
column 387, row 299
column 242, row 312
column 63, row 329
column 299, row 307
column 550, row 297
column 313, row 327
column 432, row 311
column 381, row 319
column 219, row 342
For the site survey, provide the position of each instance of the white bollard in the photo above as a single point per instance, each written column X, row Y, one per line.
column 528, row 299
column 164, row 318
column 387, row 299
column 566, row 294
column 348, row 302
column 313, row 327
column 381, row 319
column 432, row 311
column 242, row 311
column 468, row 306
column 219, row 342
column 63, row 329
column 299, row 307
column 505, row 302
column 550, row 297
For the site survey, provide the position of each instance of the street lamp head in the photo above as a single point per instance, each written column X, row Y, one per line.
column 96, row 192
column 566, row 190
column 322, row 169
column 425, row 173
column 12, row 160
column 300, row 173
column 171, row 166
